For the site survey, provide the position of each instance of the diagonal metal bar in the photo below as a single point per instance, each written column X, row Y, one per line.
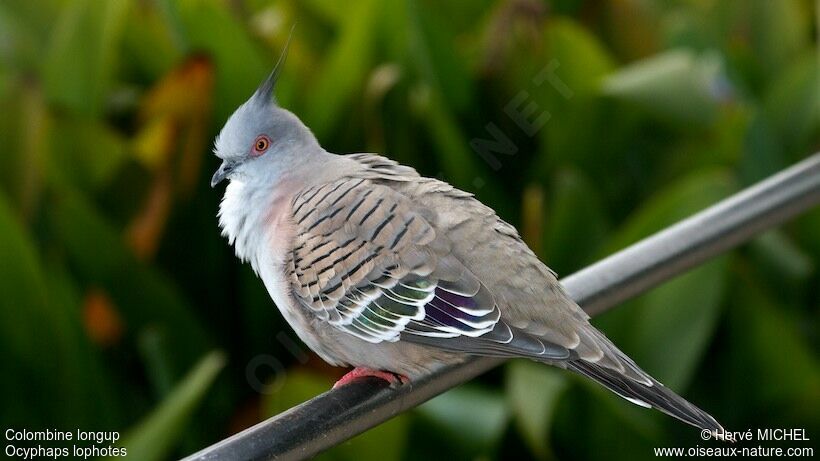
column 339, row 414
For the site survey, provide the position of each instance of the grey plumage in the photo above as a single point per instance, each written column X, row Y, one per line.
column 378, row 267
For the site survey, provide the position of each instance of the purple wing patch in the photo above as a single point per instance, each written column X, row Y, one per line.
column 459, row 314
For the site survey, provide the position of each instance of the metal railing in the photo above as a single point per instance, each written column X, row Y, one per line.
column 339, row 414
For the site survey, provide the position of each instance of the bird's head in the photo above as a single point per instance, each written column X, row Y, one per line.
column 261, row 140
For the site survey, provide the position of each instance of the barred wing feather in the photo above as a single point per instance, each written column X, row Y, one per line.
column 367, row 262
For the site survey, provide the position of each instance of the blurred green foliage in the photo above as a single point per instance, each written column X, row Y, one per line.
column 116, row 284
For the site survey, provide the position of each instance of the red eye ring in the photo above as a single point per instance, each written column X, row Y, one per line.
column 261, row 145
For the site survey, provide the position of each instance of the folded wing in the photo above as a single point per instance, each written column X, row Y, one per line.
column 368, row 262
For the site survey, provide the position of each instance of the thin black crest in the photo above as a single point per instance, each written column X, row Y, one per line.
column 264, row 93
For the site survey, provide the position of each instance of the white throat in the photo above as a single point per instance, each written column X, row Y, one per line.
column 248, row 216
column 255, row 215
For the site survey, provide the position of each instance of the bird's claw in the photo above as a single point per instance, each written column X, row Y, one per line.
column 360, row 372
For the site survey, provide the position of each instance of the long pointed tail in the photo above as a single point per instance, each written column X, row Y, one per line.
column 653, row 395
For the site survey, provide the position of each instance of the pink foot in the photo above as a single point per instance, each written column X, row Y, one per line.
column 361, row 372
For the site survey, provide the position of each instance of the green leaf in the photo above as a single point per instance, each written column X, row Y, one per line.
column 594, row 423
column 459, row 164
column 24, row 131
column 86, row 150
column 678, row 200
column 792, row 104
column 156, row 435
column 577, row 225
column 383, row 442
column 240, row 64
column 386, row 441
column 807, row 229
column 677, row 322
column 471, row 417
column 86, row 389
column 778, row 31
column 329, row 10
column 762, row 151
column 784, row 263
column 678, row 84
column 153, row 39
column 345, row 69
column 636, row 28
column 581, row 57
column 25, row 30
column 435, row 57
column 143, row 296
column 45, row 358
column 534, row 390
column 678, row 318
column 772, row 358
column 23, row 305
column 80, row 63
column 565, row 83
column 292, row 387
column 152, row 344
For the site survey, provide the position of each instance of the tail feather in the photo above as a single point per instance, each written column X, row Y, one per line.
column 654, row 395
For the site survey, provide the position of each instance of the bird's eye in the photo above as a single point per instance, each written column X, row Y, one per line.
column 260, row 145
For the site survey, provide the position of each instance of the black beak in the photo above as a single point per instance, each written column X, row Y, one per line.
column 224, row 170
